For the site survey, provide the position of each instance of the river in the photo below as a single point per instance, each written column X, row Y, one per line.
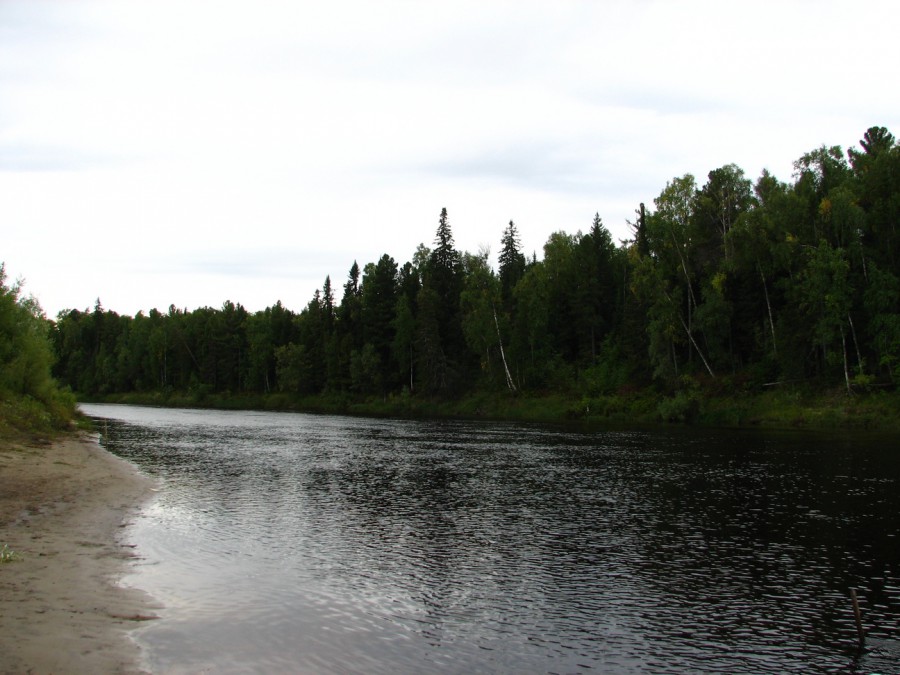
column 283, row 542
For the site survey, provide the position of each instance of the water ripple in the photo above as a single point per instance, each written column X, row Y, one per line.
column 285, row 542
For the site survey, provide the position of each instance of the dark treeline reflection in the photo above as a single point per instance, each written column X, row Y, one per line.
column 753, row 282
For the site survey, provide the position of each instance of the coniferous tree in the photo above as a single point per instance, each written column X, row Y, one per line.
column 433, row 370
column 445, row 256
column 511, row 262
column 379, row 303
column 405, row 328
column 328, row 303
column 347, row 334
column 443, row 282
column 597, row 288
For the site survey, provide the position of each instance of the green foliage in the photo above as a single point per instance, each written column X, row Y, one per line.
column 366, row 370
column 442, row 344
column 25, row 354
column 511, row 264
column 608, row 374
column 295, row 369
column 379, row 305
column 7, row 554
column 683, row 407
column 404, row 325
column 30, row 399
column 478, row 304
column 434, row 371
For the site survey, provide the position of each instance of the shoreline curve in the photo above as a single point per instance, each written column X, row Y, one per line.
column 63, row 509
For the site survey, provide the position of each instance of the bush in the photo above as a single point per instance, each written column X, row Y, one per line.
column 684, row 407
column 31, row 399
column 604, row 378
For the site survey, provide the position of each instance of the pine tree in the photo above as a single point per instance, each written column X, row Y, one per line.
column 445, row 256
column 512, row 264
column 444, row 281
column 328, row 301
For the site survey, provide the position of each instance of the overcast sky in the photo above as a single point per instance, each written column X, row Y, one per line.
column 188, row 153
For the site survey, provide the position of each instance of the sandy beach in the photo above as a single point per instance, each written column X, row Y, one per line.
column 62, row 509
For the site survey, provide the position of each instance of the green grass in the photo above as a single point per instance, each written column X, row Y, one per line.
column 7, row 554
column 712, row 404
column 24, row 416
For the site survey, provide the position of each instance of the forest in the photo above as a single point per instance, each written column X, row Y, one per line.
column 726, row 285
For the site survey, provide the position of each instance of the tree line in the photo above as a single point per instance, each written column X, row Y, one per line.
column 729, row 281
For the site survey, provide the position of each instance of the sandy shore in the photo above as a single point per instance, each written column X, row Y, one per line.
column 62, row 509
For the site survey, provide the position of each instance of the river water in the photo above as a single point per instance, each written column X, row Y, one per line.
column 283, row 542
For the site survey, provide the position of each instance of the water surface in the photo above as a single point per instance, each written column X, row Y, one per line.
column 323, row 544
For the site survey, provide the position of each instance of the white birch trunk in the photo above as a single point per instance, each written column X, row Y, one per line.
column 509, row 380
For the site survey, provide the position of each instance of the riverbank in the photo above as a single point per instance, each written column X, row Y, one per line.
column 62, row 507
column 777, row 407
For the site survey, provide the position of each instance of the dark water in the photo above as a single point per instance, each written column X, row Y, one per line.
column 315, row 544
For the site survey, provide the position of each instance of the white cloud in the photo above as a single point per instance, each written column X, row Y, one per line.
column 189, row 152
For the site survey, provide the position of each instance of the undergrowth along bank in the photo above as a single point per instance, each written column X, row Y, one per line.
column 787, row 407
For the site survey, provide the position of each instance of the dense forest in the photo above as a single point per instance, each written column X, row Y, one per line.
column 726, row 284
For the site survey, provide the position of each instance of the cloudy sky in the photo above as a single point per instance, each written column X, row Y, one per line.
column 188, row 153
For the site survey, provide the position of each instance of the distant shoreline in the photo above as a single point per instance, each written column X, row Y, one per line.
column 62, row 507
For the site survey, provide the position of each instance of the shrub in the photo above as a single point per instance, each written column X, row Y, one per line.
column 684, row 407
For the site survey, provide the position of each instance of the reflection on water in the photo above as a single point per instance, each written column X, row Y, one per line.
column 287, row 542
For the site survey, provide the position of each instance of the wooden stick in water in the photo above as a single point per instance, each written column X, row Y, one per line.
column 858, row 615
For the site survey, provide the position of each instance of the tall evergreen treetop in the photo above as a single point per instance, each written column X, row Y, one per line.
column 445, row 255
column 512, row 263
column 351, row 288
column 510, row 246
column 442, row 286
column 328, row 295
column 349, row 311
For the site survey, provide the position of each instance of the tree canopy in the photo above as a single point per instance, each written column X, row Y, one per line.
column 766, row 280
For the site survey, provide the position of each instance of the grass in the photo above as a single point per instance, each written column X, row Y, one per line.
column 25, row 416
column 711, row 404
column 7, row 554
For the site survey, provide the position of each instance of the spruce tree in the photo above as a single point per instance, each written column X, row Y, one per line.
column 445, row 256
column 512, row 264
column 444, row 279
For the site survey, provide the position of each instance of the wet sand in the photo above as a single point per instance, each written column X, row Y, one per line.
column 63, row 507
